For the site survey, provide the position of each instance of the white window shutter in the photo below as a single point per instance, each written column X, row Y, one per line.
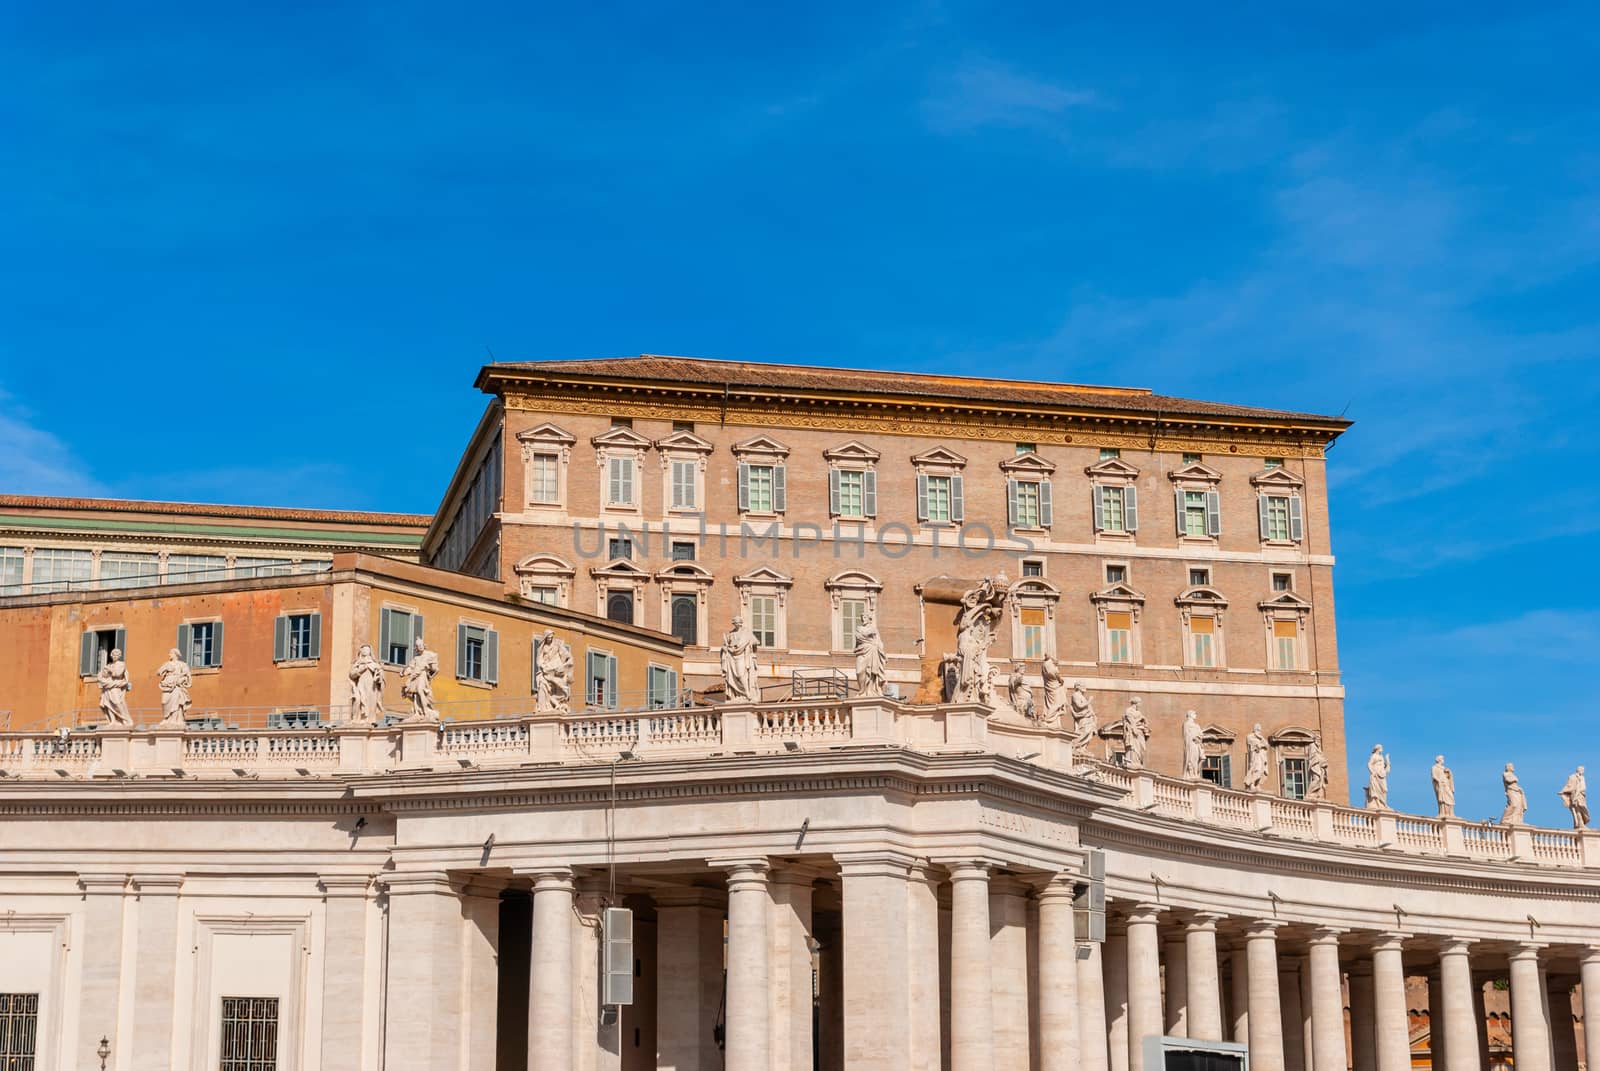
column 1177, row 499
column 922, row 496
column 1261, row 512
column 744, row 487
column 533, row 676
column 779, row 503
column 1011, row 503
column 1296, row 523
column 833, row 492
column 1044, row 504
column 491, row 656
column 1130, row 508
column 611, row 681
column 957, row 503
column 1213, row 513
column 869, row 492
column 1099, row 508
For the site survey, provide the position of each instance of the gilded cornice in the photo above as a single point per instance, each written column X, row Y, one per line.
column 939, row 418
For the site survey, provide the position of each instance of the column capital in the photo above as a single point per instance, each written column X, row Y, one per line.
column 345, row 885
column 1325, row 935
column 117, row 885
column 744, row 874
column 1056, row 888
column 1389, row 941
column 968, row 869
column 157, row 884
column 1589, row 955
column 553, row 879
column 1202, row 922
column 1256, row 929
column 887, row 863
column 402, row 882
column 1459, row 946
column 1526, row 950
column 1144, row 913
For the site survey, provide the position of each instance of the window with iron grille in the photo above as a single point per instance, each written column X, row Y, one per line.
column 249, row 1034
column 19, row 1030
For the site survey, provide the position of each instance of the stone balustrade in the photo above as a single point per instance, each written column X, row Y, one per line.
column 754, row 729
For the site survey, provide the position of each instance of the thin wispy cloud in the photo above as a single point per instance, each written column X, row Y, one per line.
column 985, row 93
column 36, row 461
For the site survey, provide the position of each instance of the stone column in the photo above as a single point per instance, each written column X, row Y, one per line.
column 747, row 1032
column 1363, row 1042
column 550, row 1024
column 1327, row 1001
column 100, row 993
column 1563, row 1034
column 688, row 977
column 1239, row 993
column 971, row 972
column 1092, row 1010
column 1294, row 1040
column 1391, row 1027
column 790, row 1008
column 155, row 968
column 1437, row 1042
column 1058, row 978
column 1455, row 1018
column 346, row 902
column 1115, row 953
column 1008, row 931
column 1530, row 1041
column 1590, row 979
column 1480, row 1015
column 480, row 952
column 1307, row 1029
column 1144, row 979
column 1202, row 996
column 923, row 961
column 877, row 977
column 1175, row 985
column 423, row 989
column 1266, row 1012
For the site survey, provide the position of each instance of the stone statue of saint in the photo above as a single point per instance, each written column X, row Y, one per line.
column 416, row 682
column 1020, row 695
column 1255, row 771
column 175, row 681
column 366, row 688
column 1135, row 736
column 872, row 664
column 1377, row 779
column 1316, row 769
column 739, row 648
column 1192, row 748
column 1516, row 811
column 1575, row 795
column 976, row 624
column 555, row 675
column 1084, row 723
column 1055, row 693
column 1444, row 787
column 114, row 689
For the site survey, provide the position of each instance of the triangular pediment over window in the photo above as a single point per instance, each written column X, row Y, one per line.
column 1112, row 468
column 762, row 445
column 1026, row 465
column 765, row 574
column 622, row 438
column 1118, row 593
column 1285, row 600
column 547, row 433
column 684, row 442
column 937, row 457
column 1195, row 472
column 1277, row 479
column 621, row 569
column 1216, row 734
column 854, row 450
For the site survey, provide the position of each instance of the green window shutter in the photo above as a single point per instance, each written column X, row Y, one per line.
column 184, row 651
column 87, row 646
column 595, row 667
column 121, row 643
column 316, row 635
column 1044, row 504
column 1261, row 512
column 280, row 638
column 1130, row 508
column 833, row 491
column 491, row 656
column 922, row 496
column 653, row 685
column 1213, row 513
column 957, row 507
column 1296, row 523
column 744, row 486
column 778, row 493
column 216, row 644
column 869, row 492
column 1099, row 507
column 461, row 651
column 611, row 681
column 1011, row 503
column 384, row 628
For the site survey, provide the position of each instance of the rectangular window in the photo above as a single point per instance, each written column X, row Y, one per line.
column 397, row 631
column 1119, row 637
column 249, row 1034
column 1112, row 516
column 851, row 493
column 600, row 688
column 1199, row 578
column 1116, row 574
column 1202, row 631
column 1032, row 567
column 246, row 568
column 661, row 688
column 201, row 644
column 1025, row 504
column 1277, row 517
column 19, row 1030
column 1274, row 463
column 683, row 551
column 1109, row 452
column 10, row 570
column 544, row 596
column 1282, row 581
column 1294, row 778
column 297, row 637
column 1032, row 632
column 621, row 422
column 61, row 570
column 544, row 478
column 1218, row 769
column 619, row 489
column 1191, row 459
column 122, row 569
column 851, row 613
column 764, row 620
column 936, row 499
column 189, row 568
column 96, row 647
column 683, row 425
column 683, row 484
column 1285, row 644
column 1194, row 513
column 477, row 654
column 621, row 547
column 759, row 488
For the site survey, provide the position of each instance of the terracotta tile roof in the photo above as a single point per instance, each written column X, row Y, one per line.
column 201, row 509
column 755, row 375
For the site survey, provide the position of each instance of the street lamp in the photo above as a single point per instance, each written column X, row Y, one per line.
column 104, row 1051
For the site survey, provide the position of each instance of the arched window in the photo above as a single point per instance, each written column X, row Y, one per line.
column 686, row 618
column 619, row 607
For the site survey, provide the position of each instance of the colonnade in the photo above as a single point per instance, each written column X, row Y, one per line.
column 960, row 964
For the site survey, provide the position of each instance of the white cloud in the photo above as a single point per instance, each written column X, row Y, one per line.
column 34, row 461
column 984, row 93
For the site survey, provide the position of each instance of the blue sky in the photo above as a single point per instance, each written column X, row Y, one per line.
column 260, row 256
